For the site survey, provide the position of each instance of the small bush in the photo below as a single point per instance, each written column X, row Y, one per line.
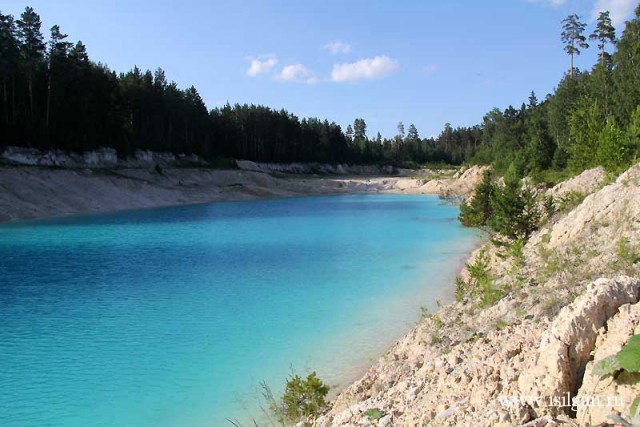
column 461, row 289
column 303, row 398
column 515, row 211
column 628, row 255
column 481, row 283
column 478, row 211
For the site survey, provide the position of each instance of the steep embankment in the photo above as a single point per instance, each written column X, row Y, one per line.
column 569, row 293
column 28, row 192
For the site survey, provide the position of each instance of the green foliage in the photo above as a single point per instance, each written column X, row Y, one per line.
column 461, row 287
column 303, row 398
column 374, row 414
column 515, row 210
column 635, row 405
column 570, row 200
column 628, row 255
column 629, row 356
column 585, row 124
column 516, row 253
column 424, row 313
column 607, row 366
column 479, row 210
column 573, row 36
column 481, row 283
column 56, row 97
column 501, row 324
column 614, row 148
column 628, row 359
column 604, row 33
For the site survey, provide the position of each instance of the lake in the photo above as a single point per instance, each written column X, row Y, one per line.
column 174, row 316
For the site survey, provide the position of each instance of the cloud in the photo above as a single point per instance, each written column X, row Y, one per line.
column 364, row 69
column 261, row 65
column 338, row 46
column 554, row 3
column 620, row 11
column 296, row 73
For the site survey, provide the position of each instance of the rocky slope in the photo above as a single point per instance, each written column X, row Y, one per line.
column 568, row 298
column 28, row 192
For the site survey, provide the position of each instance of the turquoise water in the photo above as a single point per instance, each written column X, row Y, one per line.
column 173, row 316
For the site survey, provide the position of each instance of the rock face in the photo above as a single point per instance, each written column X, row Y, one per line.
column 619, row 329
column 586, row 183
column 571, row 293
column 566, row 347
column 101, row 158
column 316, row 168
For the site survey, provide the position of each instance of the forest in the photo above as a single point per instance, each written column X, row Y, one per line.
column 55, row 97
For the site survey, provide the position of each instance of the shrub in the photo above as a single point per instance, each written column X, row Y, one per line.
column 512, row 210
column 570, row 200
column 481, row 282
column 478, row 210
column 515, row 211
column 302, row 398
column 461, row 289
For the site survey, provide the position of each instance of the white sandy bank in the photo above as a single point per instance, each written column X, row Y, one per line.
column 28, row 192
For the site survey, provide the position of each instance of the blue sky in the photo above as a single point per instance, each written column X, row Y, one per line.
column 421, row 62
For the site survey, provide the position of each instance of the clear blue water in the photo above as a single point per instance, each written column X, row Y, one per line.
column 173, row 316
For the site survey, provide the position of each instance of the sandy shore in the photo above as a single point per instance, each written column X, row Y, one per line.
column 37, row 192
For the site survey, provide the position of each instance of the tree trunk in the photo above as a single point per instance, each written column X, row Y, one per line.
column 13, row 98
column 571, row 65
column 30, row 84
column 5, row 98
column 602, row 55
column 48, row 101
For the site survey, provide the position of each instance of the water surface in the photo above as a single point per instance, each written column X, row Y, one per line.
column 173, row 316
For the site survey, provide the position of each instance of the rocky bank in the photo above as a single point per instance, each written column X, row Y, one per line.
column 37, row 184
column 568, row 299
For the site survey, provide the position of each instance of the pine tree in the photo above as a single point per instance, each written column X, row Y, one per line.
column 349, row 134
column 57, row 54
column 533, row 101
column 412, row 134
column 573, row 37
column 400, row 141
column 626, row 75
column 604, row 33
column 32, row 48
column 8, row 62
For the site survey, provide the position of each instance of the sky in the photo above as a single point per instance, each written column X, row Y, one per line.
column 422, row 62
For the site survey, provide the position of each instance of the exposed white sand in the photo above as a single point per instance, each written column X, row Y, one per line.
column 37, row 192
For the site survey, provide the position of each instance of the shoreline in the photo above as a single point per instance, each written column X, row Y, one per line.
column 28, row 184
column 445, row 295
column 32, row 192
column 560, row 297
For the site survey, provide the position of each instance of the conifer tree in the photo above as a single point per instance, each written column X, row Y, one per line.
column 604, row 33
column 8, row 63
column 32, row 49
column 573, row 37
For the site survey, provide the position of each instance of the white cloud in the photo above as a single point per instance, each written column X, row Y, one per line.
column 338, row 46
column 554, row 3
column 261, row 65
column 297, row 73
column 364, row 69
column 620, row 11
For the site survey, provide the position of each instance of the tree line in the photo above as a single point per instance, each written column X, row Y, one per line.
column 55, row 97
column 591, row 118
